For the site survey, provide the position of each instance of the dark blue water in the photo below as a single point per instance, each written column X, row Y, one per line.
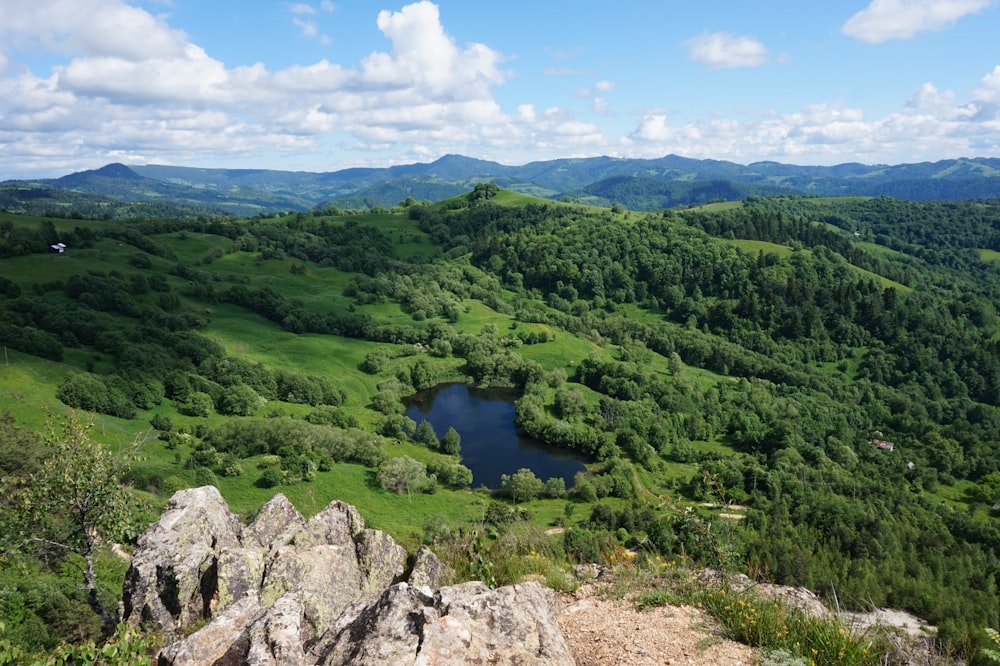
column 491, row 446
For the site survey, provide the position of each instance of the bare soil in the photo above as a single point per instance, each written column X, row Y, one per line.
column 601, row 631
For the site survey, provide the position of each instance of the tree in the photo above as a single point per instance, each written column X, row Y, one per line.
column 425, row 435
column 523, row 485
column 197, row 404
column 570, row 403
column 72, row 504
column 451, row 443
column 555, row 487
column 402, row 473
column 240, row 400
column 421, row 375
column 20, row 451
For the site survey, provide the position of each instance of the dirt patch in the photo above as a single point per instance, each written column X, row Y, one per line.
column 601, row 631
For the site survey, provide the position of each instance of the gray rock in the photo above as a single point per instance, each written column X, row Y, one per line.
column 172, row 581
column 239, row 572
column 338, row 523
column 222, row 642
column 428, row 572
column 461, row 624
column 289, row 592
column 381, row 559
column 326, row 577
column 274, row 525
column 276, row 638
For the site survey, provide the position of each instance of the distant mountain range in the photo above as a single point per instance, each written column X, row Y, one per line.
column 117, row 190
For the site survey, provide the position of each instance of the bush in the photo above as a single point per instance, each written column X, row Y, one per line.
column 203, row 476
column 402, row 474
column 240, row 400
column 273, row 476
column 162, row 422
column 197, row 404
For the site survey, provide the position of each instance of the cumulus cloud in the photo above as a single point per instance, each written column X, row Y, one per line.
column 883, row 20
column 107, row 28
column 129, row 86
column 931, row 123
column 722, row 50
column 149, row 84
column 989, row 88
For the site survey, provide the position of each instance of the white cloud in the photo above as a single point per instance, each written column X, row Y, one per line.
column 94, row 27
column 194, row 78
column 989, row 88
column 302, row 14
column 423, row 95
column 883, row 20
column 424, row 56
column 931, row 124
column 721, row 50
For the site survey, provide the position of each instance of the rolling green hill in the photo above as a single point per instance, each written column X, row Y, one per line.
column 748, row 354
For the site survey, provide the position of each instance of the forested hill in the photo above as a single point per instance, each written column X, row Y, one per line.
column 637, row 184
column 827, row 368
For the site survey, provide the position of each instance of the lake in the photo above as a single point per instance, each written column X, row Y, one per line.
column 491, row 446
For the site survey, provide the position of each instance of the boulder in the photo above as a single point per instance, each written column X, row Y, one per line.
column 286, row 591
column 275, row 524
column 461, row 624
column 172, row 581
column 428, row 570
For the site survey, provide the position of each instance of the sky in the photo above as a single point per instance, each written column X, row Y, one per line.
column 322, row 85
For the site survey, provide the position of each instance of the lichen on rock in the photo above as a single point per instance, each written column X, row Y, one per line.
column 290, row 591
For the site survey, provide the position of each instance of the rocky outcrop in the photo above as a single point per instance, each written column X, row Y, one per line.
column 288, row 591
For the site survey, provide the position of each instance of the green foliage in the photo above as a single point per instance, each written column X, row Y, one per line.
column 162, row 422
column 72, row 502
column 402, row 474
column 273, row 476
column 197, row 403
column 522, row 485
column 451, row 442
column 482, row 192
column 773, row 625
column 240, row 400
column 451, row 474
column 21, row 450
column 744, row 354
column 89, row 393
column 128, row 646
column 425, row 435
column 991, row 653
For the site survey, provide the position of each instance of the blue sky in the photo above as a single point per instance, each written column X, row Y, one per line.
column 323, row 85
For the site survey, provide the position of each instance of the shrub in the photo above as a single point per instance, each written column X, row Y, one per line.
column 273, row 476
column 203, row 476
column 240, row 400
column 402, row 474
column 197, row 404
column 162, row 422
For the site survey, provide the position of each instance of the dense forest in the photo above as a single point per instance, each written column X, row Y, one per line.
column 831, row 365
